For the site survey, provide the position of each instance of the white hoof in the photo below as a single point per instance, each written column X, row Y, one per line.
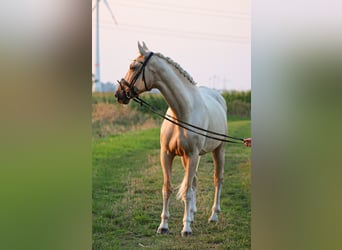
column 163, row 231
column 213, row 218
column 186, row 231
column 186, row 234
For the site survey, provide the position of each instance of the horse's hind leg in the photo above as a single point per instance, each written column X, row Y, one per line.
column 166, row 162
column 218, row 155
column 194, row 189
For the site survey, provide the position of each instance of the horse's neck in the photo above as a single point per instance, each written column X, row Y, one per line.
column 178, row 100
column 180, row 96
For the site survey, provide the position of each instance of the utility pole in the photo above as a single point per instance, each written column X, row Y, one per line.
column 97, row 65
column 98, row 86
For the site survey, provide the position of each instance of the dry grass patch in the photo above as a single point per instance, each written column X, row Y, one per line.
column 111, row 119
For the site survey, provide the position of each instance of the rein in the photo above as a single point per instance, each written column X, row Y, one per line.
column 186, row 125
column 133, row 95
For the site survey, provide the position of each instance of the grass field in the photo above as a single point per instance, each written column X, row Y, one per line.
column 127, row 199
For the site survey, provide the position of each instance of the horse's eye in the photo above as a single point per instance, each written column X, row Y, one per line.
column 132, row 66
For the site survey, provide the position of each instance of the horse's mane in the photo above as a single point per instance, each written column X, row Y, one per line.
column 177, row 66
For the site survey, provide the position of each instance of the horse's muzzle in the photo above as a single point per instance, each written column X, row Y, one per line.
column 122, row 96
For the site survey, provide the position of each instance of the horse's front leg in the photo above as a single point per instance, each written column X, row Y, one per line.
column 166, row 162
column 193, row 207
column 187, row 193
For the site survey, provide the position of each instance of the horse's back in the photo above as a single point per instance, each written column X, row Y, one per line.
column 217, row 109
column 212, row 95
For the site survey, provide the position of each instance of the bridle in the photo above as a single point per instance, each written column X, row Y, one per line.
column 131, row 93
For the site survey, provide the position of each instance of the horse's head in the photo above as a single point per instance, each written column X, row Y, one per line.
column 134, row 82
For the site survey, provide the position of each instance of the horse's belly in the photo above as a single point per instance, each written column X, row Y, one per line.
column 209, row 146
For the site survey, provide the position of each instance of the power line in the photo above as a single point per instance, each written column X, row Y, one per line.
column 178, row 33
column 162, row 31
column 186, row 7
column 184, row 10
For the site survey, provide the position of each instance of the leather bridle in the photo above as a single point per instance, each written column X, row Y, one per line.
column 131, row 93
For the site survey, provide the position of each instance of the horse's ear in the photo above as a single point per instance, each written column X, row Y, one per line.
column 144, row 46
column 142, row 49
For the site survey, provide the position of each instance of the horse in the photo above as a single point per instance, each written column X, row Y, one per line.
column 199, row 106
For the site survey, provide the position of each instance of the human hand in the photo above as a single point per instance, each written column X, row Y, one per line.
column 248, row 142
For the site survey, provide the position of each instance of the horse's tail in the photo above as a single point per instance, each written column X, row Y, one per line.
column 181, row 194
column 181, row 190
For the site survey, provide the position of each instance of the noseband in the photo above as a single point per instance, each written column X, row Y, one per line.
column 132, row 93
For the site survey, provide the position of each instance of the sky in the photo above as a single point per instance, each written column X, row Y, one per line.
column 209, row 39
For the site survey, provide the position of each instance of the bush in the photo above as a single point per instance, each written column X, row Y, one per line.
column 155, row 100
column 239, row 109
column 239, row 104
column 243, row 96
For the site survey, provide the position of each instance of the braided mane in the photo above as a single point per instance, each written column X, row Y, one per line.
column 178, row 67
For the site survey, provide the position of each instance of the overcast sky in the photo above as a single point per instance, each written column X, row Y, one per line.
column 209, row 39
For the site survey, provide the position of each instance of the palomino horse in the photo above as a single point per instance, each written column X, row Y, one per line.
column 200, row 106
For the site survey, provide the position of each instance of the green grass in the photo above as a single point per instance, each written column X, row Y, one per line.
column 127, row 199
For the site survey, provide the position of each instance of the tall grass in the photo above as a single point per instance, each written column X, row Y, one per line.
column 238, row 103
column 107, row 97
column 111, row 118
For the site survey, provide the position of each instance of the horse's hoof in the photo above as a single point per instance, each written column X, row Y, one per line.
column 186, row 234
column 163, row 231
column 213, row 218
